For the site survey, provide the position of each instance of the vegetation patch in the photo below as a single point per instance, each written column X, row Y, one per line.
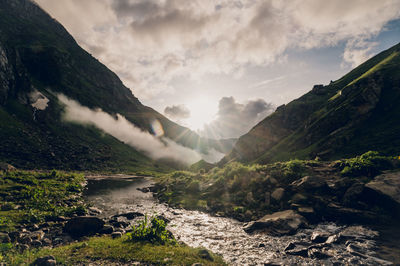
column 33, row 197
column 106, row 249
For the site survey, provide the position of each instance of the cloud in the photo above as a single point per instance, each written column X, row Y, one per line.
column 123, row 130
column 357, row 52
column 177, row 112
column 235, row 119
column 150, row 43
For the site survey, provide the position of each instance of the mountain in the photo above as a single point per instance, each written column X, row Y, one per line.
column 355, row 114
column 38, row 60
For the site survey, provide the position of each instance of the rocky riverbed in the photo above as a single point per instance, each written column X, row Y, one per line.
column 122, row 201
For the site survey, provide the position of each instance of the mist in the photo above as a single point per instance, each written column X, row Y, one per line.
column 120, row 128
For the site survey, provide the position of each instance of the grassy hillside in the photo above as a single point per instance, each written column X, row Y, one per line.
column 350, row 116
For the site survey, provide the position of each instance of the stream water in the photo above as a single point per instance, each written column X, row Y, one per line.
column 225, row 236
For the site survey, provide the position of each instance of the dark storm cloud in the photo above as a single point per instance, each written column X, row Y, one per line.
column 177, row 112
column 235, row 119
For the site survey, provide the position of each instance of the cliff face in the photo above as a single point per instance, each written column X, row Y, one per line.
column 352, row 115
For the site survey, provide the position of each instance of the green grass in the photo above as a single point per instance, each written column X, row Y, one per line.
column 375, row 67
column 120, row 250
column 32, row 197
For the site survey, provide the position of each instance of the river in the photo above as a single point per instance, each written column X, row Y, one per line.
column 224, row 236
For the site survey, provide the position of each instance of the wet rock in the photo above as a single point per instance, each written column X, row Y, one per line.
column 277, row 224
column 120, row 224
column 319, row 237
column 107, row 229
column 205, row 254
column 129, row 215
column 316, row 253
column 83, row 226
column 303, row 252
column 278, row 194
column 290, row 246
column 333, row 239
column 116, row 235
column 45, row 261
column 144, row 189
column 94, row 210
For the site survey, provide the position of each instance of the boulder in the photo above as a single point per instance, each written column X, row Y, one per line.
column 45, row 261
column 278, row 194
column 116, row 235
column 388, row 187
column 309, row 183
column 83, row 226
column 277, row 224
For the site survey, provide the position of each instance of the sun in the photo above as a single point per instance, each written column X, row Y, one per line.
column 202, row 111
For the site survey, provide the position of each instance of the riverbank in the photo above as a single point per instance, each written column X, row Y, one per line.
column 40, row 217
column 284, row 198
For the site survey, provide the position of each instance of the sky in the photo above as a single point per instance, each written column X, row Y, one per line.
column 219, row 67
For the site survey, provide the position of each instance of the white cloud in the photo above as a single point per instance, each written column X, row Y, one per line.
column 151, row 42
column 235, row 119
column 123, row 130
column 357, row 52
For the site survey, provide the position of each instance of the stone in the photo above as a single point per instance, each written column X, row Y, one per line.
column 36, row 243
column 315, row 253
column 303, row 252
column 277, row 224
column 83, row 226
column 116, row 234
column 319, row 237
column 333, row 239
column 309, row 183
column 46, row 242
column 25, row 240
column 261, row 245
column 37, row 235
column 205, row 254
column 290, row 246
column 387, row 185
column 45, row 261
column 107, row 229
column 94, row 210
column 129, row 215
column 278, row 194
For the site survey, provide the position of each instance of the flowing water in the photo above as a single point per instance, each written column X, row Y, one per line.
column 225, row 236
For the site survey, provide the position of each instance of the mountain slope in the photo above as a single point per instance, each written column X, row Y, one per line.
column 354, row 114
column 39, row 57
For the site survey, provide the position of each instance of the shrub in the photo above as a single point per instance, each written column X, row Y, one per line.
column 370, row 163
column 151, row 230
